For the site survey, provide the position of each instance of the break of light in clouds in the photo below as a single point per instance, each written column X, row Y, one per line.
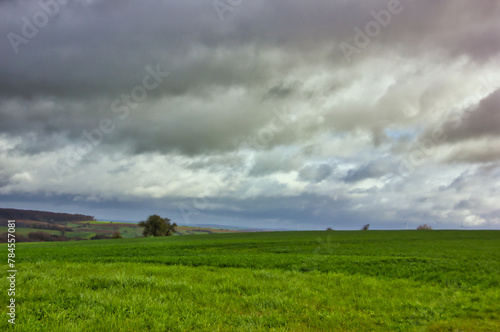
column 278, row 114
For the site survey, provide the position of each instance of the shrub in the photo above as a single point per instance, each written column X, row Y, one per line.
column 424, row 227
column 100, row 237
column 19, row 238
column 45, row 237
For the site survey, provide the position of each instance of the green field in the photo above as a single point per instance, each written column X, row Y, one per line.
column 283, row 281
column 88, row 229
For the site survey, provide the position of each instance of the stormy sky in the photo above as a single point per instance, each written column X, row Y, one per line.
column 270, row 114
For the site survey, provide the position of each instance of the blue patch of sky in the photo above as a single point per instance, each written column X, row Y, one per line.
column 399, row 134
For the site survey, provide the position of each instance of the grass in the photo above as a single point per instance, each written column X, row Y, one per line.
column 284, row 281
column 99, row 222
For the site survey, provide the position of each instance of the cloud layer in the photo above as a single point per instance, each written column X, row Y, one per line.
column 252, row 112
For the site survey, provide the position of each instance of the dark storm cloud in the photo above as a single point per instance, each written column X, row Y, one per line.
column 99, row 50
column 472, row 133
column 94, row 48
column 85, row 51
column 481, row 153
column 481, row 122
column 283, row 89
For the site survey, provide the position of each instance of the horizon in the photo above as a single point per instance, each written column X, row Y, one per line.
column 407, row 227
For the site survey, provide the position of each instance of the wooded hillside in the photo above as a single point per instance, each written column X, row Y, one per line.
column 14, row 214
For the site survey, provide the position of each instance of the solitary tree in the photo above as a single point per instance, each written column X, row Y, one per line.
column 365, row 227
column 157, row 226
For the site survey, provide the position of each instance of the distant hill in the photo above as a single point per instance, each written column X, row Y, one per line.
column 14, row 214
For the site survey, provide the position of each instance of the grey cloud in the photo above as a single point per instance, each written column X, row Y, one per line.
column 476, row 122
column 122, row 168
column 475, row 153
column 292, row 209
column 83, row 49
column 283, row 89
column 458, row 184
column 484, row 121
column 86, row 56
column 217, row 163
column 464, row 205
column 471, row 135
column 367, row 171
column 267, row 163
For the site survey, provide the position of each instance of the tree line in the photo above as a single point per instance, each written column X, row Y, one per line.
column 15, row 214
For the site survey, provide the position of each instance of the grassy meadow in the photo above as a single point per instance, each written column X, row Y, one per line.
column 279, row 281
